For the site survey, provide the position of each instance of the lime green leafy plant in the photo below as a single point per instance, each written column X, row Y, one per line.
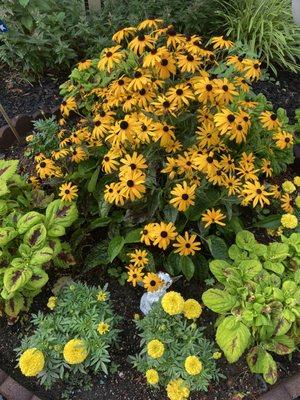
column 258, row 301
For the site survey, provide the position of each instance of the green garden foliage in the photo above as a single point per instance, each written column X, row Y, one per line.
column 258, row 301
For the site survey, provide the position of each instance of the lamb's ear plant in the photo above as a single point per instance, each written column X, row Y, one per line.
column 74, row 339
column 174, row 352
column 258, row 301
column 29, row 240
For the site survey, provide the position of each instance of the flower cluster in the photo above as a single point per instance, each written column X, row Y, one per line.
column 176, row 355
column 79, row 333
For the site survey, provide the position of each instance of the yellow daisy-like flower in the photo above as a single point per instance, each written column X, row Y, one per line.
column 133, row 185
column 177, row 389
column 82, row 66
column 220, row 43
column 289, row 221
column 139, row 257
column 152, row 376
column 52, row 302
column 192, row 309
column 155, row 348
column 164, row 233
column 216, row 355
column 152, row 282
column 111, row 56
column 148, row 234
column 186, row 244
column 256, row 193
column 297, row 201
column 68, row 192
column 135, row 274
column 67, row 106
column 193, row 365
column 103, row 328
column 269, row 120
column 183, row 196
column 102, row 296
column 213, row 217
column 172, row 303
column 32, row 362
column 75, row 351
column 283, row 139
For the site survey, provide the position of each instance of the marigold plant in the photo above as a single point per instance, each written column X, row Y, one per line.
column 174, row 354
column 165, row 133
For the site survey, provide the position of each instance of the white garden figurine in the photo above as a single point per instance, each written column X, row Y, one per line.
column 149, row 298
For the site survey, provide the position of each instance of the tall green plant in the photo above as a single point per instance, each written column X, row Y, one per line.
column 266, row 28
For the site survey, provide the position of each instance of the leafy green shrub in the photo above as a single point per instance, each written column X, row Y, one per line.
column 73, row 340
column 173, row 349
column 266, row 27
column 260, row 301
column 43, row 139
column 29, row 240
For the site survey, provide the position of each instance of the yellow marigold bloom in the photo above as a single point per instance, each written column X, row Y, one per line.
column 152, row 282
column 186, row 244
column 213, row 217
column 297, row 181
column 172, row 303
column 183, row 196
column 103, row 328
column 75, row 351
column 216, row 355
column 32, row 362
column 155, row 348
column 177, row 389
column 68, row 192
column 193, row 365
column 288, row 187
column 52, row 302
column 102, row 296
column 152, row 376
column 297, row 201
column 192, row 309
column 289, row 221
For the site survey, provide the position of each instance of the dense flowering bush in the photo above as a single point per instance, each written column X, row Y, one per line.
column 174, row 353
column 164, row 133
column 74, row 339
column 259, row 304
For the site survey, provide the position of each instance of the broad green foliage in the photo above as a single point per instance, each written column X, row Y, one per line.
column 28, row 239
column 259, row 304
column 181, row 337
column 78, row 311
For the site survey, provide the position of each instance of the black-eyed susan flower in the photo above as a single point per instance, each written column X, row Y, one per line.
column 68, row 191
column 232, row 184
column 188, row 62
column 252, row 69
column 164, row 234
column 135, row 274
column 124, row 33
column 287, row 203
column 256, row 193
column 183, row 196
column 266, row 167
column 78, row 154
column 170, row 167
column 283, row 139
column 219, row 42
column 224, row 91
column 82, row 66
column 133, row 185
column 166, row 66
column 45, row 168
column 213, row 217
column 152, row 282
column 236, row 62
column 110, row 57
column 269, row 120
column 139, row 258
column 67, row 106
column 140, row 42
column 180, row 95
column 150, row 24
column 225, row 120
column 132, row 162
column 205, row 91
column 163, row 106
column 186, row 245
column 148, row 234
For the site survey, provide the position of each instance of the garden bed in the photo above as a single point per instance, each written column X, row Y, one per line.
column 126, row 383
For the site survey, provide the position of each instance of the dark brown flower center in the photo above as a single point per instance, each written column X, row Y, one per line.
column 225, row 88
column 273, row 117
column 130, row 183
column 67, row 191
column 185, row 196
column 137, row 74
column 209, row 87
column 124, row 125
column 164, row 234
column 164, row 62
column 166, row 104
column 210, row 160
column 231, row 117
column 179, row 92
column 166, row 128
column 190, row 58
column 258, row 191
column 141, row 37
column 133, row 166
column 43, row 164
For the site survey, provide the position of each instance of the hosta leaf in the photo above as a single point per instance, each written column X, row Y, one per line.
column 218, row 300
column 16, row 277
column 35, row 237
column 28, row 220
column 60, row 213
column 233, row 337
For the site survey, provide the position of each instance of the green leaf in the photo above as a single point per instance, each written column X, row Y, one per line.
column 250, row 268
column 41, row 256
column 93, row 181
column 219, row 301
column 60, row 213
column 35, row 237
column 28, row 220
column 271, row 375
column 217, row 247
column 257, row 359
column 16, row 277
column 14, row 305
column 56, row 231
column 133, row 236
column 115, row 246
column 38, row 279
column 173, row 264
column 245, row 240
column 24, row 3
column 8, row 168
column 233, row 337
column 269, row 222
column 187, row 267
column 276, row 267
column 6, row 235
column 281, row 345
column 277, row 252
column 237, row 254
column 100, row 222
column 220, row 269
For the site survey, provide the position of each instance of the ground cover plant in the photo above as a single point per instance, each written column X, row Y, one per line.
column 259, row 304
column 166, row 124
column 30, row 240
column 74, row 339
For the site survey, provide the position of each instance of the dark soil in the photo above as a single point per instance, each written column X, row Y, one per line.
column 22, row 97
column 282, row 91
column 127, row 384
